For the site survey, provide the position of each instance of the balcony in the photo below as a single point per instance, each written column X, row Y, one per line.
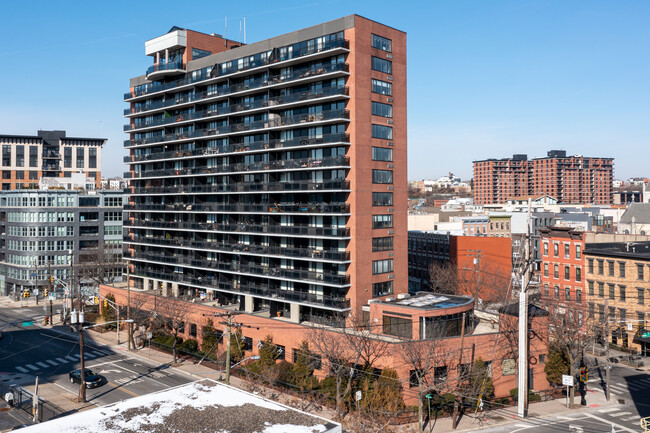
column 265, row 229
column 260, row 290
column 279, row 165
column 238, row 248
column 162, row 70
column 294, row 186
column 306, row 208
column 51, row 154
column 255, row 146
column 298, row 75
column 300, row 275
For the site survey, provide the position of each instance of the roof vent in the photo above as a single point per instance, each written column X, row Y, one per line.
column 403, row 296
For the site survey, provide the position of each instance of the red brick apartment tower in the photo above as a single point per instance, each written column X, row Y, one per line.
column 271, row 176
column 563, row 270
column 569, row 179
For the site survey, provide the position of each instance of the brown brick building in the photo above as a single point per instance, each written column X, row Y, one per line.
column 569, row 179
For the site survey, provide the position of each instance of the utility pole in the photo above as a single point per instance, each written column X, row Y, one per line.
column 607, row 365
column 454, row 421
column 522, row 394
column 80, row 324
column 477, row 255
column 128, row 305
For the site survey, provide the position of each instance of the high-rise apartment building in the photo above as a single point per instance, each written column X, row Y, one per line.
column 271, row 175
column 27, row 158
column 569, row 179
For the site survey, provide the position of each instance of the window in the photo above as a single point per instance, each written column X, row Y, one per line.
column 383, row 110
column 382, row 289
column 578, row 251
column 413, row 379
column 382, row 198
column 601, row 290
column 557, row 292
column 590, row 266
column 382, row 244
column 567, row 251
column 381, row 65
column 192, row 330
column 397, row 326
column 640, row 296
column 546, row 290
column 621, row 291
column 578, row 296
column 440, row 374
column 610, row 289
column 382, row 221
column 382, row 87
column 248, row 343
column 546, row 269
column 33, row 175
column 92, row 157
column 610, row 268
column 33, row 156
column 556, row 250
column 567, row 272
column 6, row 155
column 567, row 293
column 80, row 157
column 621, row 269
column 546, row 248
column 508, row 367
column 578, row 274
column 382, row 176
column 20, row 174
column 382, row 43
column 591, row 307
column 6, row 174
column 639, row 272
column 601, row 267
column 382, row 132
column 67, row 157
column 382, row 154
column 197, row 53
column 20, row 156
column 556, row 271
column 382, row 266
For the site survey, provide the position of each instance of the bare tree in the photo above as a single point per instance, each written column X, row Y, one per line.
column 100, row 266
column 487, row 281
column 172, row 315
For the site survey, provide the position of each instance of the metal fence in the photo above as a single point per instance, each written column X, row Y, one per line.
column 24, row 400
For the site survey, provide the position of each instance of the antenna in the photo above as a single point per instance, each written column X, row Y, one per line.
column 240, row 31
column 225, row 31
column 244, row 29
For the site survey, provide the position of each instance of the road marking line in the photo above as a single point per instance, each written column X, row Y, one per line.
column 97, row 353
column 89, row 355
column 124, row 389
column 614, row 385
column 609, row 409
column 49, row 361
column 42, row 364
column 61, row 360
column 23, row 370
column 71, row 358
column 620, row 414
column 603, row 420
column 31, row 367
column 522, row 425
column 631, row 418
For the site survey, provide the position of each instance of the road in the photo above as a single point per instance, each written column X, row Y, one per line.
column 27, row 352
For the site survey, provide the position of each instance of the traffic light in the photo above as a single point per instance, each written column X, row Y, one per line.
column 96, row 300
column 105, row 303
column 51, row 279
column 45, row 292
column 584, row 374
column 26, row 294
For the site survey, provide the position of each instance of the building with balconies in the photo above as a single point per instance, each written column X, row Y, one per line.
column 271, row 176
column 28, row 158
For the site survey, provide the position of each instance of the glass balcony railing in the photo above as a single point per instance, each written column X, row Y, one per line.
column 158, row 67
column 266, row 229
column 159, row 86
column 337, row 208
column 330, row 161
column 262, row 289
column 254, row 269
column 293, row 186
column 281, row 252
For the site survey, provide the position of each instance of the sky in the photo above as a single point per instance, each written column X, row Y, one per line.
column 486, row 79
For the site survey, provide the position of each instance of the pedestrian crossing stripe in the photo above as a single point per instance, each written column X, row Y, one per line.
column 71, row 358
column 31, row 367
column 630, row 418
column 42, row 364
column 89, row 355
column 61, row 360
column 609, row 409
column 96, row 353
column 22, row 370
column 620, row 414
column 50, row 361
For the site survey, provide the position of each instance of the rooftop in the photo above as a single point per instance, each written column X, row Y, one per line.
column 430, row 301
column 631, row 250
column 637, row 213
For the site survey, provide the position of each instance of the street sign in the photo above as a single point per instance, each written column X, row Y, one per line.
column 646, row 335
column 28, row 323
column 357, row 395
column 149, row 335
column 35, row 292
column 629, row 327
column 567, row 380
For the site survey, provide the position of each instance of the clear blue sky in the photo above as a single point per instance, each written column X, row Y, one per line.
column 485, row 78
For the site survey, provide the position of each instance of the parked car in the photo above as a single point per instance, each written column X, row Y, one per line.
column 92, row 380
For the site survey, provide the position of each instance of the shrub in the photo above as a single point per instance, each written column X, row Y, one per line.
column 189, row 345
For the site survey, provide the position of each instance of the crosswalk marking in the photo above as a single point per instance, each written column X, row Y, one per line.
column 97, row 353
column 23, row 370
column 89, row 355
column 71, row 358
column 61, row 360
column 608, row 409
column 630, row 418
column 50, row 361
column 620, row 414
column 42, row 364
column 31, row 367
